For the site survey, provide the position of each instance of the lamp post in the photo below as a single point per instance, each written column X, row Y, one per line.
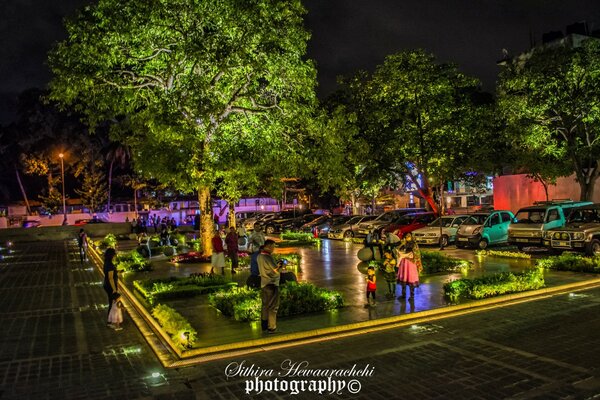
column 62, row 173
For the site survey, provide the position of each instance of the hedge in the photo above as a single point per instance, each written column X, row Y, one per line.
column 155, row 290
column 571, row 262
column 175, row 325
column 109, row 240
column 495, row 285
column 132, row 261
column 505, row 254
column 244, row 304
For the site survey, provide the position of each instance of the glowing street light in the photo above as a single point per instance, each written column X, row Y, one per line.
column 62, row 173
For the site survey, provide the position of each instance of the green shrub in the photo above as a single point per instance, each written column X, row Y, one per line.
column 195, row 244
column 435, row 262
column 300, row 236
column 495, row 285
column 505, row 254
column 175, row 325
column 155, row 290
column 132, row 261
column 244, row 304
column 109, row 240
column 571, row 262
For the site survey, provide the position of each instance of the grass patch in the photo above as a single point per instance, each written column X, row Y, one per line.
column 505, row 254
column 244, row 304
column 155, row 290
column 495, row 285
column 571, row 262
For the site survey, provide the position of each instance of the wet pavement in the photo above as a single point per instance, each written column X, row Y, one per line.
column 332, row 265
column 54, row 345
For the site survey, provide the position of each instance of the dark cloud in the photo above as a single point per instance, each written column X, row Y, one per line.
column 346, row 34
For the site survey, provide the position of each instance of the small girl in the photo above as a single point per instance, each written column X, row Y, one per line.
column 116, row 312
column 371, row 286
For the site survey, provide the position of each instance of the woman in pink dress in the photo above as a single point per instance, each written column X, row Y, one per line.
column 409, row 263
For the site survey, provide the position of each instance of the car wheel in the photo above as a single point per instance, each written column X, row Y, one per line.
column 520, row 247
column 270, row 230
column 460, row 246
column 444, row 241
column 483, row 244
column 348, row 234
column 594, row 248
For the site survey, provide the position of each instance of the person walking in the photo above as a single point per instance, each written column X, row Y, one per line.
column 231, row 240
column 409, row 267
column 111, row 278
column 83, row 244
column 217, row 260
column 269, row 284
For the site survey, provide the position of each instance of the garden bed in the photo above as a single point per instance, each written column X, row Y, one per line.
column 244, row 304
column 495, row 285
column 505, row 254
column 154, row 290
column 571, row 262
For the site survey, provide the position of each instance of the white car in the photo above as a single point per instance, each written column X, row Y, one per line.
column 431, row 233
column 349, row 228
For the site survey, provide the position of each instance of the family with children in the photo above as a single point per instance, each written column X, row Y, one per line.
column 401, row 265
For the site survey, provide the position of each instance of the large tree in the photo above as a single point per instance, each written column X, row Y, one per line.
column 197, row 81
column 550, row 98
column 423, row 121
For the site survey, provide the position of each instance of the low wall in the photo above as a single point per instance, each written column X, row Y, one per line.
column 62, row 232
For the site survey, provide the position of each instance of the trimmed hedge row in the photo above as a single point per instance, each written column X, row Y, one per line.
column 154, row 290
column 505, row 254
column 571, row 262
column 495, row 285
column 244, row 304
column 132, row 261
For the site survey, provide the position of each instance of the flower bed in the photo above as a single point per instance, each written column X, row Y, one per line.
column 132, row 261
column 175, row 325
column 244, row 304
column 495, row 285
column 571, row 262
column 191, row 257
column 154, row 290
column 292, row 239
column 505, row 254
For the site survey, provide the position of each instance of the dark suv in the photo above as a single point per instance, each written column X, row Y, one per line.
column 277, row 223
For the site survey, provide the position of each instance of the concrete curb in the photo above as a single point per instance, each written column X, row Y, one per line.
column 172, row 357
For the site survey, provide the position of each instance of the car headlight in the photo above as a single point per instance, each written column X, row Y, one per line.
column 564, row 236
column 477, row 230
column 578, row 236
column 433, row 234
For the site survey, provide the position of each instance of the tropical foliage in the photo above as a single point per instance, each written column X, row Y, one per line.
column 175, row 325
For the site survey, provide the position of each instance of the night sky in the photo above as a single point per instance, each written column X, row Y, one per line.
column 347, row 35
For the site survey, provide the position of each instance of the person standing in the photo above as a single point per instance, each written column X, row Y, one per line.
column 409, row 267
column 111, row 278
column 253, row 281
column 231, row 240
column 269, row 284
column 217, row 260
column 83, row 244
column 256, row 240
column 371, row 286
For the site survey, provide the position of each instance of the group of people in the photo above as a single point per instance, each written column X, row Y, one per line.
column 142, row 223
column 401, row 265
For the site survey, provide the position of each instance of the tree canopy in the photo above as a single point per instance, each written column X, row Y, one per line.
column 203, row 87
column 550, row 99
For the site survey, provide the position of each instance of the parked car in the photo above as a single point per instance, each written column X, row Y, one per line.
column 408, row 223
column 310, row 226
column 248, row 223
column 383, row 220
column 581, row 232
column 297, row 223
column 348, row 228
column 95, row 220
column 531, row 223
column 483, row 229
column 430, row 234
column 324, row 227
column 276, row 223
column 30, row 223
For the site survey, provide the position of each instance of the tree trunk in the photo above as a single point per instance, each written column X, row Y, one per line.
column 22, row 190
column 110, row 170
column 231, row 215
column 545, row 185
column 587, row 190
column 207, row 224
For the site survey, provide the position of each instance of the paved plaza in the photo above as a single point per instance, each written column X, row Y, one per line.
column 54, row 344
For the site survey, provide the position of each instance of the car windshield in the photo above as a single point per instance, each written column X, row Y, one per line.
column 584, row 216
column 342, row 219
column 531, row 216
column 387, row 217
column 446, row 222
column 476, row 219
column 405, row 220
column 354, row 220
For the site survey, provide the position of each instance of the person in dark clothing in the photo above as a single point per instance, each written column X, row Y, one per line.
column 82, row 243
column 253, row 280
column 111, row 278
column 231, row 240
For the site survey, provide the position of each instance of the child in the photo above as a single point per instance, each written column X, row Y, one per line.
column 390, row 269
column 371, row 286
column 116, row 312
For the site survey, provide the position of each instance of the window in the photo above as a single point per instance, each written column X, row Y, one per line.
column 494, row 219
column 553, row 215
column 506, row 217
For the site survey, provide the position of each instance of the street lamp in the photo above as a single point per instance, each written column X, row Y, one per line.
column 62, row 173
